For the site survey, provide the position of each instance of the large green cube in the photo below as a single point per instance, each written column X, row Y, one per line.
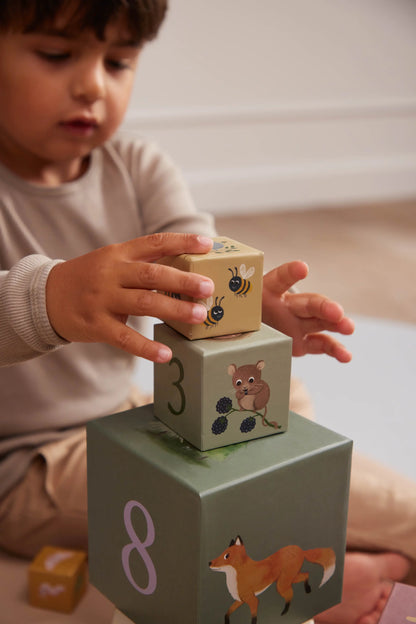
column 162, row 513
column 224, row 390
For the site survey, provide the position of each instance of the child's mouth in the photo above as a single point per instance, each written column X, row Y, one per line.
column 82, row 127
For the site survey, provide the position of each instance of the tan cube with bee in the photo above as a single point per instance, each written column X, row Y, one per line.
column 237, row 272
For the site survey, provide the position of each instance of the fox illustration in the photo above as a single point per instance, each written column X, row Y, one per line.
column 246, row 578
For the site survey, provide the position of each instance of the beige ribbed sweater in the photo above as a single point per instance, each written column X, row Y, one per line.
column 48, row 387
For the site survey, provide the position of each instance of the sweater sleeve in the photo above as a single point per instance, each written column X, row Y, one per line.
column 164, row 200
column 25, row 331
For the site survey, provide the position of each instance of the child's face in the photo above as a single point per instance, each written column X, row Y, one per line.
column 61, row 96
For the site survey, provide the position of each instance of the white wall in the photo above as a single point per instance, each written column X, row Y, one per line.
column 284, row 103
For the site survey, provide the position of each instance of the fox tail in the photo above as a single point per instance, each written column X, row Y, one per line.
column 324, row 557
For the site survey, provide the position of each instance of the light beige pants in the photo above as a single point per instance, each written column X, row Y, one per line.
column 49, row 506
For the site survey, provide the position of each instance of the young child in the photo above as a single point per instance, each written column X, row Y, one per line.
column 83, row 217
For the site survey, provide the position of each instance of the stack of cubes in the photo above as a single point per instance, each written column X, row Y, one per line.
column 199, row 482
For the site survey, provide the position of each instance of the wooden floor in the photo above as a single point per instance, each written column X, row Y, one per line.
column 362, row 256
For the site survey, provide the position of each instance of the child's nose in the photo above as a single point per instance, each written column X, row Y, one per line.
column 89, row 82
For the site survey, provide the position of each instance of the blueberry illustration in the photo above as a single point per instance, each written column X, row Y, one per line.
column 248, row 424
column 224, row 405
column 219, row 425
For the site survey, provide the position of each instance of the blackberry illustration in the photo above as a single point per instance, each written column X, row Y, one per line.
column 219, row 425
column 224, row 405
column 248, row 424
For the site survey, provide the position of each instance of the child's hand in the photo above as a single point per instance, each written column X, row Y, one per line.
column 304, row 316
column 89, row 298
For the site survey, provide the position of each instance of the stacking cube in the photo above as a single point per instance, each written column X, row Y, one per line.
column 237, row 272
column 224, row 390
column 165, row 519
column 401, row 605
column 57, row 578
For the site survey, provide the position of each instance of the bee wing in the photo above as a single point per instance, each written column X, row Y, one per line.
column 249, row 273
column 207, row 303
column 243, row 271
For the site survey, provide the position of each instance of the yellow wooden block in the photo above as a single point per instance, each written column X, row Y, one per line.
column 57, row 578
column 237, row 272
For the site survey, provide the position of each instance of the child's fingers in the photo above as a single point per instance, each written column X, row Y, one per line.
column 345, row 326
column 313, row 305
column 321, row 311
column 154, row 246
column 325, row 344
column 118, row 335
column 313, row 325
column 168, row 279
column 280, row 279
column 148, row 303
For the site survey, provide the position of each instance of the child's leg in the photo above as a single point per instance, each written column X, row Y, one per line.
column 382, row 509
column 299, row 400
column 49, row 506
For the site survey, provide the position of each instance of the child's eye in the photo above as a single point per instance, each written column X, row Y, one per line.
column 117, row 65
column 53, row 56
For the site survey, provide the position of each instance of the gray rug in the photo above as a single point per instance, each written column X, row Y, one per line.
column 371, row 399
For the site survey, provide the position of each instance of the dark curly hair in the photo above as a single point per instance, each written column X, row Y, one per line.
column 143, row 17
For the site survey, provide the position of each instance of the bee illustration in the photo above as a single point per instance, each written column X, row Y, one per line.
column 215, row 312
column 240, row 284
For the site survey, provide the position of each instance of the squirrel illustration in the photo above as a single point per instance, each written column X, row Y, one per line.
column 247, row 578
column 252, row 392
